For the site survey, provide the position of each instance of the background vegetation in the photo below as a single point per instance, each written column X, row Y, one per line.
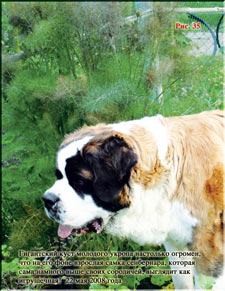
column 82, row 64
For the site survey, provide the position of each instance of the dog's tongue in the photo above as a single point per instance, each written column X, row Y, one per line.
column 64, row 231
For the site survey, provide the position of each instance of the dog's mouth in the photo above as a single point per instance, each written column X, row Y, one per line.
column 96, row 225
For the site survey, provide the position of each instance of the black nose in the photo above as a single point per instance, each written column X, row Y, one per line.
column 50, row 199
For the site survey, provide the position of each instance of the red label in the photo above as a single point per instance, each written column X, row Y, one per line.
column 183, row 26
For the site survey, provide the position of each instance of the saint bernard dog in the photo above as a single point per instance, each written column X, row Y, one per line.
column 155, row 181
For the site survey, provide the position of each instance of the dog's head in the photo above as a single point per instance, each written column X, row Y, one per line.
column 92, row 180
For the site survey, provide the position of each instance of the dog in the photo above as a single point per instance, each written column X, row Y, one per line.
column 155, row 181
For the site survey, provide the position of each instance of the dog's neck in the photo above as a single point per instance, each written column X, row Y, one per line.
column 144, row 225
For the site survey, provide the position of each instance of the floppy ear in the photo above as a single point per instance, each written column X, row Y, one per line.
column 111, row 160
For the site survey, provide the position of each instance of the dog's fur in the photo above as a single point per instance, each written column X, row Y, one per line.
column 155, row 180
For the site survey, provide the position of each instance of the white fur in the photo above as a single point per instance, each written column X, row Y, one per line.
column 220, row 282
column 181, row 282
column 68, row 151
column 75, row 211
column 179, row 235
column 181, row 224
column 141, row 222
column 152, row 218
column 159, row 132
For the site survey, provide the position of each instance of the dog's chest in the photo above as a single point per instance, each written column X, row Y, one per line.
column 146, row 221
column 152, row 218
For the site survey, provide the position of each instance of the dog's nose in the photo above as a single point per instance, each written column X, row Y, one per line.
column 50, row 199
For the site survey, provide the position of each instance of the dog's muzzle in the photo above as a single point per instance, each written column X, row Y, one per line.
column 50, row 200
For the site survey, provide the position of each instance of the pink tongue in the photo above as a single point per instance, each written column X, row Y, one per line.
column 64, row 231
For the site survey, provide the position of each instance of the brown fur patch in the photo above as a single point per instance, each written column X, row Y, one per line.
column 209, row 238
column 85, row 131
column 209, row 241
column 148, row 178
column 123, row 197
column 86, row 174
column 148, row 171
column 214, row 186
column 92, row 147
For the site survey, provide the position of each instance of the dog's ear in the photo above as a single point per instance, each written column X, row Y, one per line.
column 111, row 160
column 122, row 156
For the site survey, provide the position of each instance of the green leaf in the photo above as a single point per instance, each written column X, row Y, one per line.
column 159, row 280
column 206, row 282
column 95, row 286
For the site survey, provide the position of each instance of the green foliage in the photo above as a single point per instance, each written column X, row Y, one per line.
column 11, row 268
column 39, row 109
column 121, row 98
column 7, row 31
column 25, row 229
column 206, row 282
column 201, row 90
column 38, row 99
column 52, row 40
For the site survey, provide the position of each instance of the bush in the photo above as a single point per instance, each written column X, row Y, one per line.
column 40, row 108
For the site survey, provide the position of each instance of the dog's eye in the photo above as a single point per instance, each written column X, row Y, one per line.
column 58, row 174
